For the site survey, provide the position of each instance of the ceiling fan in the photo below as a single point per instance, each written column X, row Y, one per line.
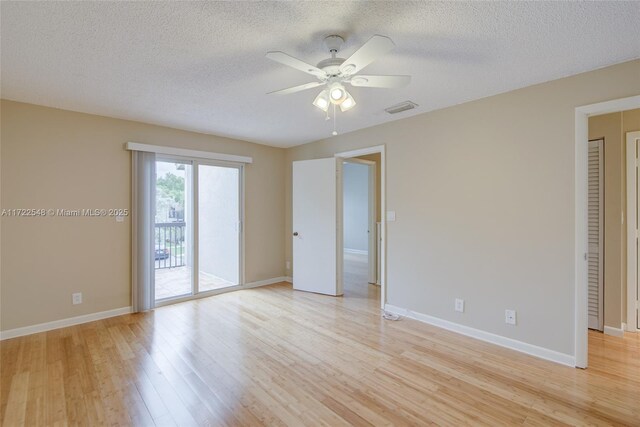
column 335, row 72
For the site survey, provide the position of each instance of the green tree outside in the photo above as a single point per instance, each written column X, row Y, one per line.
column 172, row 186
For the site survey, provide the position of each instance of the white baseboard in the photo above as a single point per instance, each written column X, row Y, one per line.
column 265, row 282
column 63, row 323
column 356, row 251
column 288, row 279
column 616, row 332
column 533, row 350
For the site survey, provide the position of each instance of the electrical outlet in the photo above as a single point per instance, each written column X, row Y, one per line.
column 510, row 317
column 288, row 265
column 76, row 298
column 459, row 305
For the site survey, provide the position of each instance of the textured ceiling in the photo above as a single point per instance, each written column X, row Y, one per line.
column 200, row 65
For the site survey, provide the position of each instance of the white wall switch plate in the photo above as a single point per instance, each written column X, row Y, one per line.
column 288, row 265
column 459, row 305
column 76, row 298
column 391, row 216
column 510, row 317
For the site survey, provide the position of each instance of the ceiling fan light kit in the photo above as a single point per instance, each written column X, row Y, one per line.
column 335, row 72
column 338, row 93
column 348, row 103
column 322, row 100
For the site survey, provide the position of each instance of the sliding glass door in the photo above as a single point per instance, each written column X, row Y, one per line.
column 198, row 229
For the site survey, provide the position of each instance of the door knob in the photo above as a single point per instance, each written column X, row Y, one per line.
column 295, row 233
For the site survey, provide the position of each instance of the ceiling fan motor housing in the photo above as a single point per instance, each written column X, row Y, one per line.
column 331, row 66
column 333, row 43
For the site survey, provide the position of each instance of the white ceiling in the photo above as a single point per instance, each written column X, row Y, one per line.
column 201, row 66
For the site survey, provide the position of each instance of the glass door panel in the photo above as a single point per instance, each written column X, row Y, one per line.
column 173, row 230
column 218, row 209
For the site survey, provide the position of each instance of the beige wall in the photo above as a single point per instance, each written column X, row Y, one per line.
column 613, row 128
column 60, row 159
column 484, row 199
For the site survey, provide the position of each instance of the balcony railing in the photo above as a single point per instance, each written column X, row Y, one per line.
column 170, row 244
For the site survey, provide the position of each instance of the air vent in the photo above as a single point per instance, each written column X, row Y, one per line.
column 403, row 106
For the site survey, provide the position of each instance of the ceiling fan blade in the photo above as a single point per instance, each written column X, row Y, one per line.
column 289, row 60
column 295, row 89
column 380, row 81
column 374, row 47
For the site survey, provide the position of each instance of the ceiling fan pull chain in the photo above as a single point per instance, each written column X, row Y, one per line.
column 335, row 132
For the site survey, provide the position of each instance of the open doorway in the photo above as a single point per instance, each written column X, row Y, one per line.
column 633, row 224
column 582, row 134
column 361, row 226
column 363, row 229
column 612, row 223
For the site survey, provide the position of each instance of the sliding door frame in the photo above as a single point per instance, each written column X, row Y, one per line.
column 195, row 162
column 196, row 220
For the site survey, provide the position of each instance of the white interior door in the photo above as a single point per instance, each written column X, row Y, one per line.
column 596, row 217
column 317, row 226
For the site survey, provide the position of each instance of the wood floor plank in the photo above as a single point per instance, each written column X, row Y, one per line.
column 15, row 412
column 276, row 357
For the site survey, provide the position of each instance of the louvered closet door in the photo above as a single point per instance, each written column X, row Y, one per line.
column 596, row 217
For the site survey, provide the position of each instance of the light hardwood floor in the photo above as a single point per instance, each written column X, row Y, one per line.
column 272, row 356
